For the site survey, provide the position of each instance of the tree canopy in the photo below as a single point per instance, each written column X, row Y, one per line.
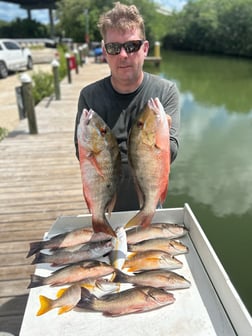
column 216, row 26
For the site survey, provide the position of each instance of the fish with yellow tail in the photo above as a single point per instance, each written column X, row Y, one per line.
column 149, row 158
column 100, row 162
column 67, row 299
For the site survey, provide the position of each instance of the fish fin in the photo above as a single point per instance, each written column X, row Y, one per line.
column 89, row 287
column 61, row 292
column 92, row 159
column 65, row 309
column 87, row 299
column 111, row 204
column 120, row 276
column 34, row 248
column 36, row 281
column 131, row 269
column 140, row 219
column 164, row 193
column 45, row 305
column 103, row 226
column 39, row 258
column 131, row 255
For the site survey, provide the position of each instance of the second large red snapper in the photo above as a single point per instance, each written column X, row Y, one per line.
column 100, row 168
column 149, row 158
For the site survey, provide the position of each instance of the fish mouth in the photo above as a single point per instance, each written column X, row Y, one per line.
column 88, row 115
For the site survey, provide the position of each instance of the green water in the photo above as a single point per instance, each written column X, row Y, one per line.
column 213, row 171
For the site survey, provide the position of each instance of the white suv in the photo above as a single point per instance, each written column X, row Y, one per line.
column 13, row 57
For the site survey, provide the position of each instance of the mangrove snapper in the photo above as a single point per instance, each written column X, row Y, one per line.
column 74, row 237
column 74, row 254
column 165, row 279
column 138, row 299
column 73, row 273
column 159, row 230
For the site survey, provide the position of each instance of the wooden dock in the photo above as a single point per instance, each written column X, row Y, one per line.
column 39, row 181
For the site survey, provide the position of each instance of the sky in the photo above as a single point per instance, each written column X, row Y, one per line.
column 9, row 12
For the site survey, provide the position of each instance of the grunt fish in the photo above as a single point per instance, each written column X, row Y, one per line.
column 67, row 299
column 150, row 260
column 73, row 273
column 74, row 237
column 100, row 168
column 149, row 158
column 74, row 254
column 165, row 279
column 137, row 299
column 170, row 246
column 159, row 230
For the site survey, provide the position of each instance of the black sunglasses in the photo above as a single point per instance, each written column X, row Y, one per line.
column 114, row 48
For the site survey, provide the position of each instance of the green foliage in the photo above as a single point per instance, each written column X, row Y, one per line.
column 3, row 133
column 216, row 26
column 76, row 17
column 42, row 85
column 23, row 28
column 62, row 49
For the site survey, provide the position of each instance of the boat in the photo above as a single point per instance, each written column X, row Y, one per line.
column 211, row 306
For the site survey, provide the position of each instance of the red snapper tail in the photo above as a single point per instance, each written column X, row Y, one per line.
column 102, row 225
column 141, row 218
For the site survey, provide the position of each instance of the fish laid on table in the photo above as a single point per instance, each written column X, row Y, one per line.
column 165, row 279
column 150, row 260
column 133, row 300
column 164, row 244
column 74, row 254
column 159, row 230
column 74, row 237
column 73, row 273
column 149, row 158
column 67, row 299
column 100, row 162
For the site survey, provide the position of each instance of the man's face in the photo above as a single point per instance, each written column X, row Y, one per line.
column 125, row 67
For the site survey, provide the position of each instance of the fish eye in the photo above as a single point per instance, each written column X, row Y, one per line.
column 103, row 131
column 140, row 124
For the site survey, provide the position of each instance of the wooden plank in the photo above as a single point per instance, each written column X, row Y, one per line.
column 39, row 181
column 16, row 272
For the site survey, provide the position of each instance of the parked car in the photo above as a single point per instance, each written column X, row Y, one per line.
column 13, row 57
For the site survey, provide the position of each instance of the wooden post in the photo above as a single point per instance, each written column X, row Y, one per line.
column 55, row 68
column 68, row 68
column 76, row 61
column 80, row 56
column 29, row 103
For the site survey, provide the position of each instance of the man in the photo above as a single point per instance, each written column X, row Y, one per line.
column 119, row 97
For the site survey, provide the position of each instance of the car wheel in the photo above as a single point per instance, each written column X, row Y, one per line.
column 29, row 63
column 3, row 70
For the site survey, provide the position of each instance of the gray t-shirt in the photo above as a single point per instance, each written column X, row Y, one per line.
column 119, row 112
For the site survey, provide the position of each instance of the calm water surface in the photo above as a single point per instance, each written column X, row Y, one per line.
column 213, row 171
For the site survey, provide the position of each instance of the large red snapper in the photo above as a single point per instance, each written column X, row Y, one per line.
column 149, row 157
column 100, row 168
